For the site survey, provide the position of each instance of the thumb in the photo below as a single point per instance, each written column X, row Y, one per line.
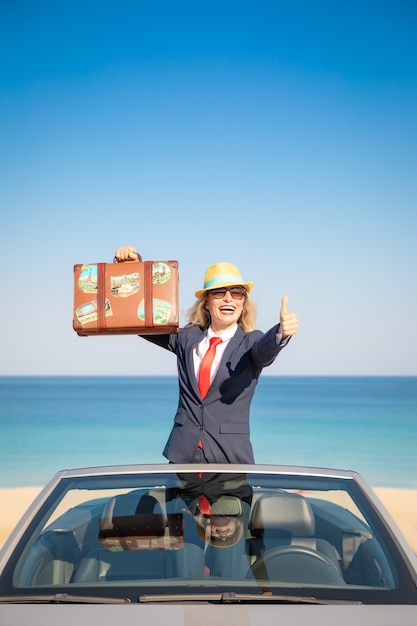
column 284, row 305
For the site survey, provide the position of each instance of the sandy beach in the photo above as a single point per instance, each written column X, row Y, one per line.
column 401, row 504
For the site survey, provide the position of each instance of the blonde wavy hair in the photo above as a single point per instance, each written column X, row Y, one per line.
column 199, row 315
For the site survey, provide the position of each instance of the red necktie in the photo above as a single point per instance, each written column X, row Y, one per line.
column 205, row 367
column 204, row 505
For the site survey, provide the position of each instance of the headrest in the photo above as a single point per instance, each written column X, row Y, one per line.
column 127, row 504
column 133, row 521
column 282, row 513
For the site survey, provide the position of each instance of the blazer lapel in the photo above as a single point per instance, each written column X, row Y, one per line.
column 195, row 336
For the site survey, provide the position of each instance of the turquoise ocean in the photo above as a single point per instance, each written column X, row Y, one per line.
column 367, row 424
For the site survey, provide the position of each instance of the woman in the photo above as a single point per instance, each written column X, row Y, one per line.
column 212, row 420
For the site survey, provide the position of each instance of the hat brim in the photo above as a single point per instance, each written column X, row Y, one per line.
column 247, row 286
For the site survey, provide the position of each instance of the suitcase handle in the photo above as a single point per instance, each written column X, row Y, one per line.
column 115, row 260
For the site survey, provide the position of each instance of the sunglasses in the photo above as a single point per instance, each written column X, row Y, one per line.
column 237, row 293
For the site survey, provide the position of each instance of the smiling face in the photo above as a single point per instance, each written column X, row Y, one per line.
column 222, row 527
column 224, row 309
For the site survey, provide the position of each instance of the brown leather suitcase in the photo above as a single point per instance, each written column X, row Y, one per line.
column 139, row 298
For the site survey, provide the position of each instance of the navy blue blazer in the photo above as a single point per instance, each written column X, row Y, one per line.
column 221, row 419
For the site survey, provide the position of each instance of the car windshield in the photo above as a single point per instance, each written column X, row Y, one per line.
column 141, row 535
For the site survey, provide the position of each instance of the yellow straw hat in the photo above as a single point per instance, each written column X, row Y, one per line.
column 222, row 275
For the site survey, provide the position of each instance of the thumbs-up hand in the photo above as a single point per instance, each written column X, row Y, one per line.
column 288, row 321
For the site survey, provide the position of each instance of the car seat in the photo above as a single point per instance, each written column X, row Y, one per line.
column 131, row 533
column 282, row 542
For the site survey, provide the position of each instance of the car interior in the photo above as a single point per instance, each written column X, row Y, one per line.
column 278, row 537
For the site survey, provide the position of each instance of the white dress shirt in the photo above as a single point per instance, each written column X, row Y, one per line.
column 202, row 347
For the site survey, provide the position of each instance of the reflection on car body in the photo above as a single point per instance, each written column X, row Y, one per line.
column 241, row 535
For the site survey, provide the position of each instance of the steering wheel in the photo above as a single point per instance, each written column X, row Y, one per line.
column 296, row 564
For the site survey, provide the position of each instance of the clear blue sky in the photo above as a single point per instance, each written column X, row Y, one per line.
column 280, row 136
